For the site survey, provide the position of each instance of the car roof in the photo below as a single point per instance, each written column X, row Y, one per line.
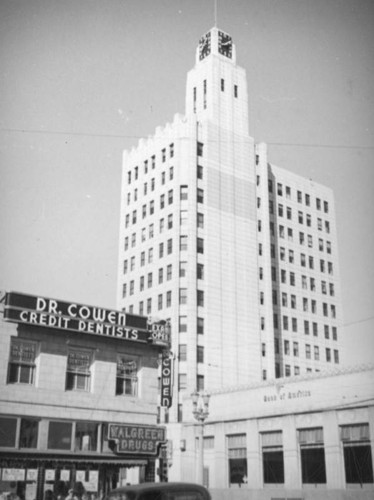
column 155, row 486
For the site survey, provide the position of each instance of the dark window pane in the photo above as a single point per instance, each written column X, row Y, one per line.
column 358, row 464
column 273, row 467
column 313, row 465
column 59, row 436
column 29, row 433
column 8, row 427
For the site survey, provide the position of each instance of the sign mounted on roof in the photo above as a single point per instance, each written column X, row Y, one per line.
column 57, row 314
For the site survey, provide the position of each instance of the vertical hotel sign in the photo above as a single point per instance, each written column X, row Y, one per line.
column 166, row 379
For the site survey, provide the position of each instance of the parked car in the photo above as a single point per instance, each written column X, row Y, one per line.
column 160, row 491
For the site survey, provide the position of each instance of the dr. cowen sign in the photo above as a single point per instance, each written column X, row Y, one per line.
column 51, row 313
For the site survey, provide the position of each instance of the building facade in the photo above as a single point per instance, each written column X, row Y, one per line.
column 309, row 437
column 78, row 398
column 240, row 255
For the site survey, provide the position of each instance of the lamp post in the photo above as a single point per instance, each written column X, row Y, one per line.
column 200, row 411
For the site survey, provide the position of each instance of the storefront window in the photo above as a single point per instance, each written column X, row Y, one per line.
column 21, row 362
column 78, row 370
column 86, row 436
column 28, row 433
column 272, row 457
column 59, row 435
column 8, row 432
column 127, row 376
column 312, row 453
column 237, row 451
column 358, row 463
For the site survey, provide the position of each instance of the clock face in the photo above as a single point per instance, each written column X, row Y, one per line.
column 224, row 44
column 204, row 46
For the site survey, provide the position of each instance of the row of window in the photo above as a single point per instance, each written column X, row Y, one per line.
column 292, row 348
column 134, row 175
column 182, row 353
column 289, row 300
column 308, row 327
column 164, row 301
column 319, row 204
column 23, row 362
column 183, row 220
column 151, row 185
column 134, row 216
column 77, row 436
column 286, row 323
column 162, row 250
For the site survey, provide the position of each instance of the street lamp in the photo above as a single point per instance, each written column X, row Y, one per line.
column 200, row 411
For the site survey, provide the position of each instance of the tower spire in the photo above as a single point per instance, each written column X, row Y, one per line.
column 215, row 13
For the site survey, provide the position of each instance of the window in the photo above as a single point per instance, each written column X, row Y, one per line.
column 306, row 327
column 318, row 204
column 288, row 192
column 222, row 84
column 307, row 200
column 358, row 464
column 282, row 253
column 289, row 234
column 299, row 197
column 150, row 255
column 150, row 280
column 29, row 430
column 237, row 453
column 149, row 306
column 170, row 196
column 162, row 201
column 127, row 376
column 169, row 246
column 200, row 298
column 291, row 256
column 182, row 382
column 310, row 241
column 170, row 221
column 281, row 232
column 141, row 286
column 315, row 329
column 200, row 220
column 169, row 272
column 280, row 210
column 163, row 155
column 284, row 299
column 171, row 150
column 200, row 326
column 307, row 351
column 300, row 217
column 292, row 279
column 78, row 372
column 283, row 276
column 296, row 349
column 182, row 324
column 161, row 250
column 22, row 360
column 286, row 345
column 312, row 455
column 200, row 195
column 183, row 295
column 285, row 322
column 294, row 324
column 200, row 354
column 168, row 299
column 272, row 457
column 200, row 145
column 86, row 434
column 171, row 173
column 200, row 385
column 162, row 225
column 183, row 192
column 182, row 269
column 279, row 189
column 316, row 352
column 183, row 243
column 328, row 354
column 182, row 354
column 199, row 172
column 200, row 271
column 308, row 220
column 159, row 302
column 270, row 186
column 59, row 435
column 235, row 91
column 142, row 259
column 151, row 231
column 200, row 245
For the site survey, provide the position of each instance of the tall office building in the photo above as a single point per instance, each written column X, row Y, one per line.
column 239, row 254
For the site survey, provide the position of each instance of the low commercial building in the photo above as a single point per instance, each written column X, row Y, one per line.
column 300, row 437
column 78, row 397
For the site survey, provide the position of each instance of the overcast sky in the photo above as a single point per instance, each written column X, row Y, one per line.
column 81, row 80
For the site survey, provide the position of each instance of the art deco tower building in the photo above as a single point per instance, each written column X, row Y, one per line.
column 200, row 237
